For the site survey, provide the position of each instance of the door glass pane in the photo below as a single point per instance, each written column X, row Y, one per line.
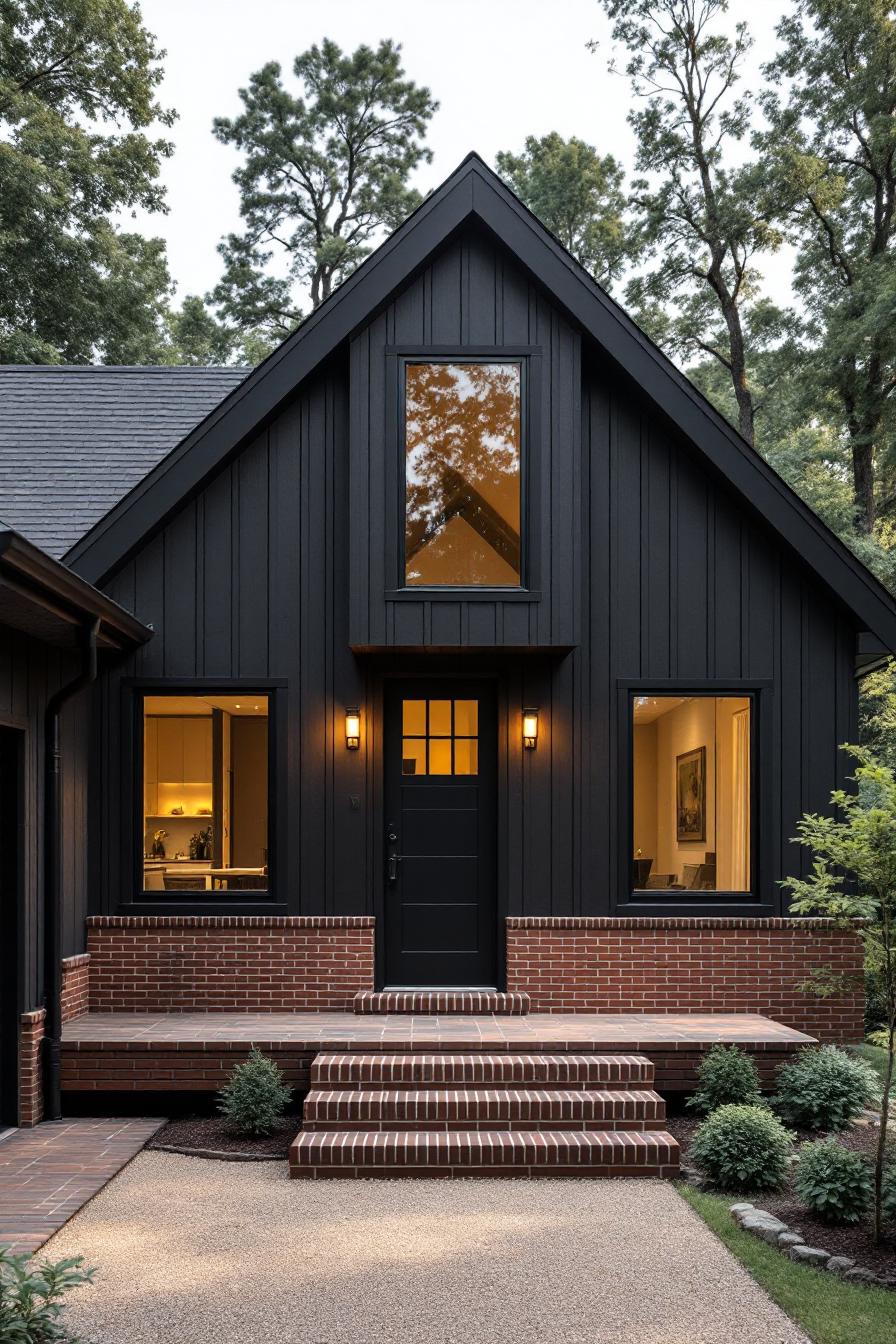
column 462, row 474
column 440, row 718
column 466, row 717
column 440, row 755
column 466, row 756
column 691, row 793
column 413, row 756
column 413, row 718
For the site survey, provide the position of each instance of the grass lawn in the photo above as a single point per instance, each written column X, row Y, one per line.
column 876, row 1056
column 830, row 1312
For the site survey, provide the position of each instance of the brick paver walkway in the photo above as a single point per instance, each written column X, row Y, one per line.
column 47, row 1174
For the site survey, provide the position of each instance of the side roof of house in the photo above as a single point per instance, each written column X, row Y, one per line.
column 74, row 439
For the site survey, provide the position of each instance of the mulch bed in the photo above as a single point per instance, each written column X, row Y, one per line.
column 213, row 1134
column 854, row 1241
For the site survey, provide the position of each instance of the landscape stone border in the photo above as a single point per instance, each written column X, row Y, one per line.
column 793, row 1244
column 215, row 1154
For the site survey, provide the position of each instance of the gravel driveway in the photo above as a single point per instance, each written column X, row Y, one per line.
column 198, row 1252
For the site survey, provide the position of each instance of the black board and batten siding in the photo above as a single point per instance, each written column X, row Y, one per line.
column 30, row 672
column 648, row 572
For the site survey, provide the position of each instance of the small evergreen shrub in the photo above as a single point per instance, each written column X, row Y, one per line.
column 742, row 1148
column 825, row 1089
column 255, row 1096
column 728, row 1077
column 880, row 1038
column 888, row 1195
column 31, row 1297
column 833, row 1182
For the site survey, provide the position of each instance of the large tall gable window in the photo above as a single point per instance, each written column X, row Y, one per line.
column 462, row 474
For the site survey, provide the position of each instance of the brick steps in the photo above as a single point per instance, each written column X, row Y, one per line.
column 441, row 1002
column 376, row 1070
column 483, row 1153
column 481, row 1109
column 478, row 1114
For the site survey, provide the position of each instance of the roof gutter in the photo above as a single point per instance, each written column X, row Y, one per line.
column 52, row 1042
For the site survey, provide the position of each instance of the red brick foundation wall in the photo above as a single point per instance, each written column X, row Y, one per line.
column 228, row 963
column 31, row 1103
column 75, row 986
column 700, row 965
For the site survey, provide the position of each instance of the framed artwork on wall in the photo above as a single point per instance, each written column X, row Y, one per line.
column 690, row 794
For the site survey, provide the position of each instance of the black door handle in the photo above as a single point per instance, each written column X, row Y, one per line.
column 392, row 867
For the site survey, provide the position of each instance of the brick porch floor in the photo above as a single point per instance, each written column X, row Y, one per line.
column 195, row 1051
column 48, row 1173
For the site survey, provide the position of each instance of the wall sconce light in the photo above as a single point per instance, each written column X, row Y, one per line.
column 530, row 728
column 353, row 728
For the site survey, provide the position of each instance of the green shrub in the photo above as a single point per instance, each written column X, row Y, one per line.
column 833, row 1182
column 880, row 1038
column 255, row 1096
column 825, row 1088
column 742, row 1148
column 888, row 1195
column 728, row 1077
column 31, row 1296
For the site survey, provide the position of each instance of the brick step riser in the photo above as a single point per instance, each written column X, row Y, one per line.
column 445, row 1003
column 396, row 1110
column 665, row 1172
column 368, row 1072
column 386, row 1082
column 464, row 1126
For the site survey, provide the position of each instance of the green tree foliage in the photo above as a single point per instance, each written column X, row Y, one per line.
column 324, row 170
column 578, row 195
column 830, row 157
column 853, row 877
column 78, row 81
column 701, row 218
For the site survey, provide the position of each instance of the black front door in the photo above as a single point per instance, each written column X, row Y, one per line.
column 440, row 759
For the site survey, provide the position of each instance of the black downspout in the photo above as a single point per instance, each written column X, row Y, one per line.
column 52, row 1042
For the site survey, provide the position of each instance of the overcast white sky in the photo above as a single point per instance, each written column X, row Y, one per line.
column 501, row 70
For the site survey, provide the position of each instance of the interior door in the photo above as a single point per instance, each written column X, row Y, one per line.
column 440, row 842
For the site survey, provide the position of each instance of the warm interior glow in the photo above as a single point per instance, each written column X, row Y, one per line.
column 530, row 727
column 205, row 794
column 462, row 474
column 352, row 729
column 691, row 793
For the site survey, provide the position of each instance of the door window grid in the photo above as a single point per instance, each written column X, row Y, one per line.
column 440, row 737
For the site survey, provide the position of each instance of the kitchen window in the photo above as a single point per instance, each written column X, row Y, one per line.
column 205, row 793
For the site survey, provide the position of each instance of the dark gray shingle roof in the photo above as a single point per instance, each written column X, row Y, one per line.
column 75, row 438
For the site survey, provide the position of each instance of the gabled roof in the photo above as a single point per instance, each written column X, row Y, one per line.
column 474, row 194
column 75, row 438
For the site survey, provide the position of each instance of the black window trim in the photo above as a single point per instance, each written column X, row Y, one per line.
column 759, row 901
column 139, row 901
column 529, row 359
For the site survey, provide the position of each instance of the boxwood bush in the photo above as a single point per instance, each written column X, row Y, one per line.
column 824, row 1088
column 743, row 1148
column 255, row 1096
column 833, row 1182
column 727, row 1077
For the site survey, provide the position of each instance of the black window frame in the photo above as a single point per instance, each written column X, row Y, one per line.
column 240, row 902
column 528, row 359
column 669, row 901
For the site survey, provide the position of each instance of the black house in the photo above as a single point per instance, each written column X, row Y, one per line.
column 465, row 606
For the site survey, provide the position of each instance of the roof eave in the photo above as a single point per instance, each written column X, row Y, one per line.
column 47, row 583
